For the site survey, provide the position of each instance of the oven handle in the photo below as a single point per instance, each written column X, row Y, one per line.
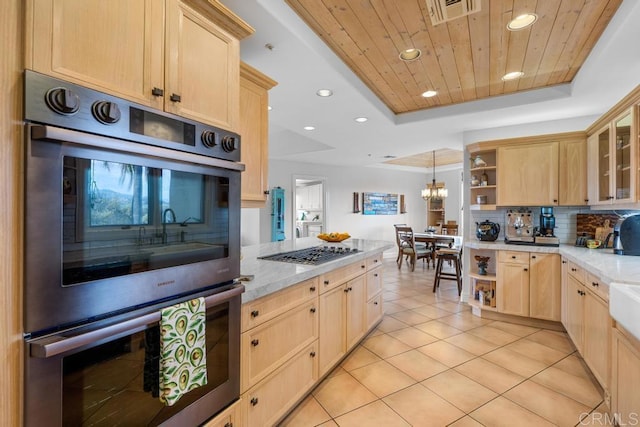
column 57, row 344
column 39, row 132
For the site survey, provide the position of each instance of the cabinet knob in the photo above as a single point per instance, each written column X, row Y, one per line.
column 586, row 200
column 313, row 309
column 350, row 288
column 555, row 200
column 564, row 262
column 513, row 256
column 175, row 97
column 375, row 303
column 375, row 275
column 266, row 192
column 228, row 425
column 526, row 269
column 595, row 284
column 533, row 256
column 346, row 290
column 326, row 282
column 255, row 342
column 255, row 313
column 312, row 289
column 156, row 91
column 312, row 354
column 254, row 401
column 363, row 266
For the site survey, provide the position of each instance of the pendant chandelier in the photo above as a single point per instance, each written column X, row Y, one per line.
column 433, row 192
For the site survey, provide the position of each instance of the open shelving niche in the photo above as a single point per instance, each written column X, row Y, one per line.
column 482, row 292
column 489, row 190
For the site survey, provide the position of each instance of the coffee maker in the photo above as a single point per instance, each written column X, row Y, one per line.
column 544, row 234
column 519, row 226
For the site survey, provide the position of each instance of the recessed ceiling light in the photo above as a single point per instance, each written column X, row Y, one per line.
column 521, row 22
column 324, row 92
column 512, row 75
column 360, row 119
column 309, row 128
column 429, row 94
column 410, row 54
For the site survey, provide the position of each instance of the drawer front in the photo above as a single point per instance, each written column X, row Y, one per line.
column 596, row 285
column 515, row 257
column 268, row 401
column 267, row 346
column 256, row 312
column 374, row 282
column 576, row 271
column 375, row 310
column 341, row 275
column 374, row 261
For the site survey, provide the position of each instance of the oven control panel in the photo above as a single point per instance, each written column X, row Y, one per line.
column 60, row 103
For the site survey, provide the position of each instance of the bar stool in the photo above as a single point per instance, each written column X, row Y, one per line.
column 454, row 256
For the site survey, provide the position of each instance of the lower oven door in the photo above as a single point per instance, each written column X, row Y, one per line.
column 105, row 376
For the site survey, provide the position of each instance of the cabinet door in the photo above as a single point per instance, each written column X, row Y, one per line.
column 528, row 175
column 356, row 310
column 226, row 418
column 572, row 173
column 597, row 337
column 267, row 346
column 544, row 282
column 624, row 160
column 332, row 324
column 254, row 142
column 575, row 311
column 625, row 399
column 202, row 64
column 272, row 398
column 600, row 163
column 112, row 46
column 563, row 292
column 512, row 289
column 375, row 310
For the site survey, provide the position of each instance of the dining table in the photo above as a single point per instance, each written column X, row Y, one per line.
column 434, row 241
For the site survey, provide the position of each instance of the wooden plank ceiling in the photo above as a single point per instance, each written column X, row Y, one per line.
column 463, row 59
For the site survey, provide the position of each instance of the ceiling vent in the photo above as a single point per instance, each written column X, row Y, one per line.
column 447, row 10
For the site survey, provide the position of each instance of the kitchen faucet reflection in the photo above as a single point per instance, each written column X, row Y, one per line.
column 164, row 223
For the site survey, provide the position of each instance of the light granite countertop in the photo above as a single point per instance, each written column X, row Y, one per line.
column 599, row 262
column 272, row 276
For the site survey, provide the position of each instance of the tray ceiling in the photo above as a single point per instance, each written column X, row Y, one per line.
column 463, row 59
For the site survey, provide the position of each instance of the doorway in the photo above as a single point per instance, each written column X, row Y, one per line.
column 309, row 206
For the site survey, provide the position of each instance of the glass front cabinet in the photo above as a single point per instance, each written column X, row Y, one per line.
column 612, row 152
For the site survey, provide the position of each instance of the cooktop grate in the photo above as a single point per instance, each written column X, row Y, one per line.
column 312, row 256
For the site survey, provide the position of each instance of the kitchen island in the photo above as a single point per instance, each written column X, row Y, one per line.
column 299, row 321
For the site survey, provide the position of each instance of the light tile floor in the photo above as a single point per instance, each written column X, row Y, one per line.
column 430, row 362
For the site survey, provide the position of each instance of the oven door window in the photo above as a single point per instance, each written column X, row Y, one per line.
column 121, row 218
column 117, row 383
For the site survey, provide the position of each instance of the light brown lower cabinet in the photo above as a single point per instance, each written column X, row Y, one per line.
column 291, row 338
column 270, row 399
column 230, row 417
column 528, row 284
column 625, row 375
column 587, row 321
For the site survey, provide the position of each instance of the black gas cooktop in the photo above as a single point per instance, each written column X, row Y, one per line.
column 312, row 256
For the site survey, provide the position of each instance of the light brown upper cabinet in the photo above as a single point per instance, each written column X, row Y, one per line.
column 527, row 174
column 254, row 131
column 178, row 56
column 572, row 173
column 612, row 159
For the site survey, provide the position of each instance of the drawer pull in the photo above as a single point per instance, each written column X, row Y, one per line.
column 156, row 91
column 533, row 256
column 363, row 266
column 574, row 269
column 175, row 97
column 312, row 354
column 513, row 256
column 375, row 275
column 346, row 290
column 375, row 260
column 313, row 309
column 564, row 262
column 255, row 342
column 312, row 289
column 595, row 284
column 255, row 313
column 326, row 282
column 228, row 425
column 254, row 401
column 350, row 288
column 526, row 269
column 375, row 303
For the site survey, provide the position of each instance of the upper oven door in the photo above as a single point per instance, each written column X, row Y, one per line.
column 108, row 229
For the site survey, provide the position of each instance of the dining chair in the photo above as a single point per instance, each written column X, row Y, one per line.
column 408, row 249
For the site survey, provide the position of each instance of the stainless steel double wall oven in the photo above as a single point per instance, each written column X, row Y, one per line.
column 127, row 210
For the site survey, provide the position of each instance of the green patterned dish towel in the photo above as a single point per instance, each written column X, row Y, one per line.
column 183, row 364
